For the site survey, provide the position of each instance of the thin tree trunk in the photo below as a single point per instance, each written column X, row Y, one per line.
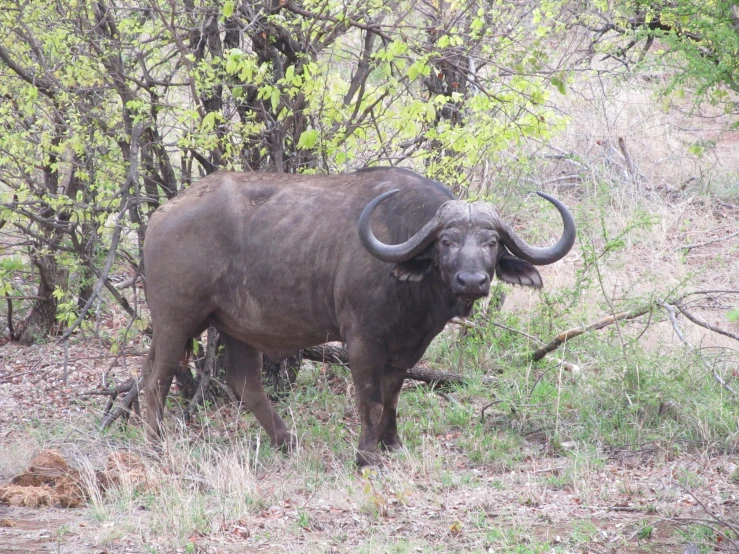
column 42, row 316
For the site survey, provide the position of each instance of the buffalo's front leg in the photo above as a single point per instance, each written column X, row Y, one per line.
column 367, row 362
column 392, row 383
column 244, row 375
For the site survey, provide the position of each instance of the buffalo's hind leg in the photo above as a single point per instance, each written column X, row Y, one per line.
column 164, row 356
column 244, row 376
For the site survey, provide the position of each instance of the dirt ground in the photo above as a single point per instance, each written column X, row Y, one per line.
column 604, row 510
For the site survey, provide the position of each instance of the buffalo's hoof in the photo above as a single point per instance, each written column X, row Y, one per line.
column 391, row 444
column 288, row 444
column 368, row 459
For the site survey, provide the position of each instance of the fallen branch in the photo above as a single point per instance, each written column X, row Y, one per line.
column 335, row 354
column 325, row 353
column 132, row 388
column 562, row 338
column 433, row 377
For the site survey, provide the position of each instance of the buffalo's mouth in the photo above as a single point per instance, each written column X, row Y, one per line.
column 470, row 298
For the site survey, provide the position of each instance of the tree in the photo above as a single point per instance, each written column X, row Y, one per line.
column 109, row 109
column 698, row 43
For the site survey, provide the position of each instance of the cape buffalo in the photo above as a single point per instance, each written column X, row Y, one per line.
column 380, row 259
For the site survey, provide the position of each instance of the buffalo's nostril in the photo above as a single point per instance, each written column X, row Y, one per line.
column 460, row 280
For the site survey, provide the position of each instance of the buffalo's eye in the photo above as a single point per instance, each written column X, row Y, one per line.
column 446, row 243
column 492, row 243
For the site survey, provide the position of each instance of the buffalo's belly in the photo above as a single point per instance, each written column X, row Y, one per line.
column 277, row 335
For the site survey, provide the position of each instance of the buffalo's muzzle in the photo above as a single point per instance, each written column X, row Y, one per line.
column 471, row 283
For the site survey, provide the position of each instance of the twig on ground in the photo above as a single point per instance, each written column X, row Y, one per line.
column 547, row 470
column 689, row 247
column 719, row 525
column 465, row 323
column 485, row 407
column 563, row 178
column 512, row 330
column 449, row 398
column 562, row 338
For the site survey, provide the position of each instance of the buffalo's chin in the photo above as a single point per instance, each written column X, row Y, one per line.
column 465, row 302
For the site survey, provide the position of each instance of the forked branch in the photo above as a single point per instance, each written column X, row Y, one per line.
column 676, row 326
column 129, row 401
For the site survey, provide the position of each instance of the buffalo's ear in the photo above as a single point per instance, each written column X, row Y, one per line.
column 413, row 270
column 517, row 272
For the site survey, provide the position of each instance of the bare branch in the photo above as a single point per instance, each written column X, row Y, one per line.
column 676, row 326
column 680, row 306
column 562, row 338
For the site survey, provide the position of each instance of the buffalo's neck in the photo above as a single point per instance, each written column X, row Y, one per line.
column 422, row 311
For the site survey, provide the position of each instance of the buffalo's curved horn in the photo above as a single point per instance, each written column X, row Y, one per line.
column 394, row 253
column 548, row 255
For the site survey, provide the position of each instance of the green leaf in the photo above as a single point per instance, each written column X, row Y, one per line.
column 209, row 121
column 697, row 150
column 307, row 139
column 417, row 68
column 615, row 244
column 733, row 315
column 228, row 8
column 560, row 84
